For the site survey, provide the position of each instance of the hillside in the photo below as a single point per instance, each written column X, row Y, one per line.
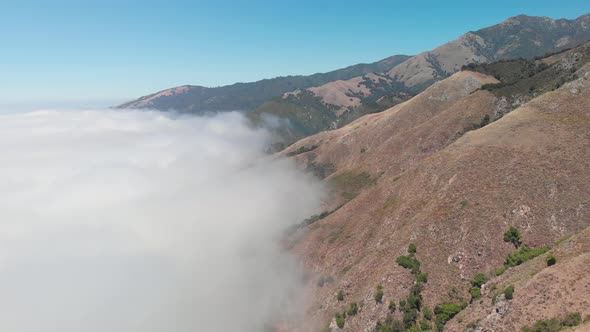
column 247, row 96
column 449, row 170
column 337, row 103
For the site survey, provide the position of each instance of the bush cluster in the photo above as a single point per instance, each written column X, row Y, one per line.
column 524, row 254
column 555, row 324
column 445, row 311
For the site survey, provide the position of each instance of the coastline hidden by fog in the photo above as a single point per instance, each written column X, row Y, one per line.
column 263, row 166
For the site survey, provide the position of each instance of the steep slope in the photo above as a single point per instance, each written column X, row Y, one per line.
column 344, row 101
column 247, row 96
column 425, row 172
column 541, row 292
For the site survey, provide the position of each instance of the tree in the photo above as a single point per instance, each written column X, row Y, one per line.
column 512, row 235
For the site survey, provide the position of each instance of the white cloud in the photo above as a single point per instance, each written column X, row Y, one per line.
column 141, row 221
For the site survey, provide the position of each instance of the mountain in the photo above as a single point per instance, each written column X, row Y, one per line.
column 334, row 104
column 493, row 146
column 247, row 96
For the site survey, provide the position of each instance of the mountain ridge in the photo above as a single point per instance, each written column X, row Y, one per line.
column 207, row 99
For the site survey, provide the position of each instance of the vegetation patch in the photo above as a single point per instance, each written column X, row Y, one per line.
column 551, row 260
column 524, row 254
column 410, row 263
column 353, row 309
column 302, row 149
column 351, row 183
column 412, row 305
column 512, row 235
column 445, row 311
column 325, row 280
column 555, row 324
column 509, row 292
column 321, row 171
column 479, row 280
column 340, row 319
column 379, row 294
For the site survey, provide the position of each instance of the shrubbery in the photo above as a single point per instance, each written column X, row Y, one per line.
column 340, row 296
column 445, row 311
column 340, row 319
column 509, row 292
column 410, row 263
column 391, row 306
column 555, row 324
column 379, row 293
column 422, row 277
column 551, row 260
column 353, row 309
column 524, row 254
column 512, row 235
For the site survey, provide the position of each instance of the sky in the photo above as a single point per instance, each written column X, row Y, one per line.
column 99, row 53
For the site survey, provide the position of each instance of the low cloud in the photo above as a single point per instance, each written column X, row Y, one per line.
column 142, row 221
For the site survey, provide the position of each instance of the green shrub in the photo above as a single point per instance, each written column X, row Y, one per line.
column 425, row 325
column 572, row 319
column 410, row 318
column 391, row 306
column 551, row 260
column 422, row 278
column 524, row 254
column 402, row 305
column 390, row 325
column 410, row 263
column 445, row 311
column 509, row 292
column 512, row 235
column 500, row 271
column 548, row 325
column 379, row 293
column 412, row 248
column 555, row 324
column 475, row 293
column 479, row 280
column 427, row 313
column 353, row 309
column 340, row 319
column 340, row 296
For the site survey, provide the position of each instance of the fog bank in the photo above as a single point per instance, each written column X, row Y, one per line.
column 142, row 221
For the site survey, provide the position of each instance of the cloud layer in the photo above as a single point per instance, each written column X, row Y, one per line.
column 140, row 221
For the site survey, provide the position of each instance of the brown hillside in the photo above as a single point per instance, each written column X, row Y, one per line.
column 541, row 292
column 422, row 175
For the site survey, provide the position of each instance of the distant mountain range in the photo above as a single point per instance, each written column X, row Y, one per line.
column 310, row 104
column 247, row 96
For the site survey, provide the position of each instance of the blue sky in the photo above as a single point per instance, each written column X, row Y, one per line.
column 101, row 52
